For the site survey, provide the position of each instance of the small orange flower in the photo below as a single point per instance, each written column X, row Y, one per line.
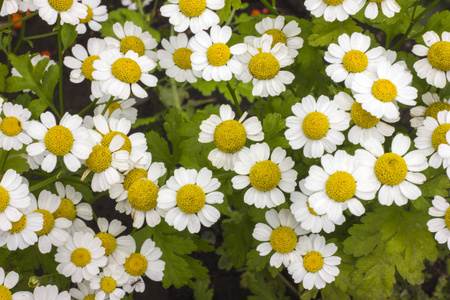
column 46, row 53
column 15, row 17
column 256, row 12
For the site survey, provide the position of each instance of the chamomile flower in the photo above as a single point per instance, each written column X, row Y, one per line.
column 435, row 67
column 7, row 283
column 433, row 105
column 70, row 12
column 11, row 6
column 316, row 126
column 120, row 73
column 396, row 171
column 441, row 224
column 388, row 7
column 109, row 282
column 281, row 235
column 95, row 13
column 14, row 197
column 334, row 9
column 118, row 110
column 229, row 136
column 444, row 148
column 197, row 15
column 13, row 127
column 351, row 56
column 379, row 92
column 268, row 174
column 83, row 292
column 317, row 266
column 49, row 292
column 133, row 5
column 23, row 232
column 187, row 196
column 176, row 59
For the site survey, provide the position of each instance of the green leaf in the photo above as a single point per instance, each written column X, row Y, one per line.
column 236, row 4
column 159, row 148
column 16, row 162
column 3, row 74
column 331, row 292
column 225, row 12
column 256, row 262
column 202, row 290
column 68, row 35
column 439, row 22
column 263, row 286
column 273, row 125
column 325, row 33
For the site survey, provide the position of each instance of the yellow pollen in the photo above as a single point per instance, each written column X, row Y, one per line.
column 126, row 70
column 315, row 125
column 438, row 136
column 278, row 36
column 447, row 218
column 80, row 257
column 87, row 67
column 4, row 199
column 182, row 58
column 265, row 175
column 106, row 140
column 66, row 210
column 99, row 160
column 333, row 2
column 59, row 140
column 355, row 61
column 283, row 239
column 313, row 261
column 89, row 297
column 136, row 264
column 218, row 54
column 435, row 108
column 109, row 242
column 108, row 284
column 230, row 136
column 61, row 5
column 133, row 176
column 362, row 117
column 49, row 222
column 340, row 186
column 113, row 106
column 143, row 195
column 132, row 43
column 264, row 66
column 18, row 226
column 439, row 55
column 310, row 209
column 391, row 169
column 191, row 198
column 192, row 8
column 384, row 90
column 5, row 293
column 11, row 126
column 89, row 16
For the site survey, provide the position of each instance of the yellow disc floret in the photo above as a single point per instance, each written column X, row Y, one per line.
column 100, row 159
column 391, row 169
column 19, row 225
column 89, row 297
column 315, row 125
column 66, row 210
column 312, row 211
column 438, row 136
column 133, row 176
column 313, row 261
column 192, row 8
column 113, row 107
column 143, row 194
column 182, row 58
column 5, row 293
column 264, row 66
column 61, row 5
column 108, row 284
column 89, row 16
column 135, row 264
column 109, row 242
column 107, row 138
column 4, row 199
column 191, row 198
column 384, row 90
column 439, row 55
column 340, row 186
column 447, row 218
column 132, row 43
column 362, row 117
column 49, row 222
column 11, row 126
column 230, row 136
column 283, row 239
column 218, row 54
column 80, row 257
column 265, row 175
column 126, row 70
column 333, row 2
column 435, row 108
column 376, row 1
column 355, row 61
column 59, row 140
column 278, row 36
column 87, row 67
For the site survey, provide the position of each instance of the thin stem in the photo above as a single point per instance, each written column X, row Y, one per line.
column 47, row 181
column 140, row 8
column 22, row 34
column 230, row 18
column 4, row 161
column 19, row 20
column 87, row 108
column 60, row 56
column 40, row 36
column 270, row 7
column 107, row 104
column 233, row 95
column 288, row 284
column 176, row 97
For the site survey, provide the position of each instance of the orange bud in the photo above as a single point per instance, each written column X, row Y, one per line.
column 46, row 53
column 15, row 17
column 265, row 11
column 256, row 12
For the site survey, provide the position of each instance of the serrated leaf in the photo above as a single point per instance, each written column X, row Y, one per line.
column 17, row 163
column 273, row 125
column 263, row 287
column 202, row 290
column 256, row 262
column 158, row 147
column 439, row 22
column 325, row 33
column 68, row 35
column 331, row 292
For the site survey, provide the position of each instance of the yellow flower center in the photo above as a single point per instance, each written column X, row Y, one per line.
column 80, row 257
column 264, row 66
column 310, row 209
column 126, row 70
column 107, row 138
column 18, row 226
column 89, row 16
column 278, row 36
column 192, row 8
column 313, row 261
column 59, row 140
column 89, row 297
column 4, row 199
column 439, row 55
column 230, row 136
column 447, row 218
column 113, row 106
column 283, row 239
column 182, row 58
column 5, row 293
column 376, row 1
column 132, row 43
column 384, row 90
column 143, row 194
column 355, row 61
column 49, row 222
column 87, row 67
column 362, row 117
column 109, row 242
column 391, row 169
column 133, row 176
column 11, row 126
column 435, row 108
column 100, row 159
column 438, row 136
column 218, row 54
column 340, row 186
column 108, row 284
column 66, row 210
column 61, row 5
column 333, row 2
column 191, row 198
column 315, row 125
column 136, row 264
column 265, row 175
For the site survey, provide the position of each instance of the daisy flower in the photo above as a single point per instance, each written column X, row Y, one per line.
column 441, row 224
column 13, row 127
column 307, row 217
column 83, row 292
column 433, row 105
column 10, row 7
column 389, row 8
column 197, row 15
column 379, row 92
column 211, row 54
column 444, row 148
column 14, row 197
column 316, row 126
column 317, row 266
column 95, row 13
column 82, row 62
column 176, row 59
column 118, row 110
column 67, row 140
column 49, row 292
column 435, row 67
column 365, row 125
column 229, row 136
column 351, row 56
column 120, row 73
column 187, row 196
column 131, row 4
column 70, row 12
column 267, row 173
column 281, row 236
column 23, row 232
column 7, row 283
column 396, row 171
column 334, row 9
column 109, row 282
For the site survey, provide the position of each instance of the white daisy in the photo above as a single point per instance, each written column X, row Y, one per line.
column 7, row 283
column 69, row 11
column 334, row 9
column 316, row 126
column 229, row 136
column 317, row 266
column 49, row 292
column 14, row 197
column 281, row 235
column 389, row 8
column 196, row 15
column 188, row 196
column 83, row 292
column 23, row 232
column 109, row 282
column 397, row 171
column 441, row 224
column 13, row 127
column 435, row 67
column 132, row 4
column 118, row 110
column 10, row 7
column 433, row 105
column 444, row 148
column 269, row 174
column 379, row 92
column 95, row 13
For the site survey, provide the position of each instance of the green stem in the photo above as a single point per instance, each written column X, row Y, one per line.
column 19, row 20
column 270, row 7
column 107, row 104
column 233, row 95
column 288, row 284
column 4, row 161
column 230, row 18
column 40, row 36
column 22, row 34
column 60, row 56
column 87, row 108
column 47, row 181
column 176, row 97
column 140, row 8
